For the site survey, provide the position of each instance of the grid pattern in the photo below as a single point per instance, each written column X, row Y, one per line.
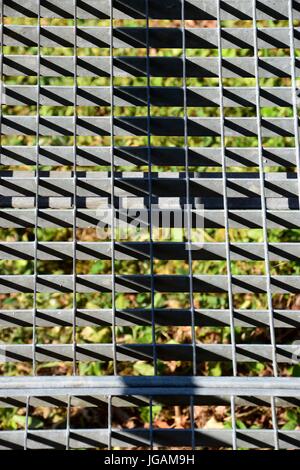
column 86, row 147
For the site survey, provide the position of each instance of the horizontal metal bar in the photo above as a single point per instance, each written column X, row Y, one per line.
column 98, row 397
column 133, row 37
column 136, row 391
column 137, row 126
column 162, row 156
column 169, row 9
column 138, row 210
column 277, row 185
column 140, row 396
column 268, row 386
column 135, row 316
column 21, row 218
column 245, row 353
column 142, row 283
column 95, row 438
column 137, row 96
column 141, row 251
column 199, row 67
column 133, row 175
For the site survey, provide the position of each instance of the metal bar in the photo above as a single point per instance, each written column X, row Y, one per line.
column 136, row 283
column 112, row 226
column 162, row 156
column 159, row 126
column 198, row 67
column 188, row 230
column 262, row 193
column 225, row 193
column 150, row 190
column 246, row 353
column 68, row 427
column 99, row 187
column 292, row 32
column 159, row 96
column 95, row 438
column 37, row 192
column 170, row 9
column 141, row 251
column 132, row 37
column 239, row 218
column 74, row 185
column 138, row 316
column 157, row 385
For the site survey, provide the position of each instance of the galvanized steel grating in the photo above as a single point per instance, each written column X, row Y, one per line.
column 149, row 214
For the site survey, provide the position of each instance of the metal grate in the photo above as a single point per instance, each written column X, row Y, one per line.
column 112, row 119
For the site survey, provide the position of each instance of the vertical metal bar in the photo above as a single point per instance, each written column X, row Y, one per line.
column 26, row 422
column 1, row 73
column 297, row 150
column 192, row 419
column 264, row 220
column 226, row 219
column 262, row 193
column 188, row 204
column 68, row 423
column 74, row 267
column 294, row 92
column 275, row 423
column 1, row 103
column 152, row 287
column 225, row 195
column 1, row 98
column 150, row 215
column 37, row 177
column 233, row 422
column 112, row 146
column 109, row 421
